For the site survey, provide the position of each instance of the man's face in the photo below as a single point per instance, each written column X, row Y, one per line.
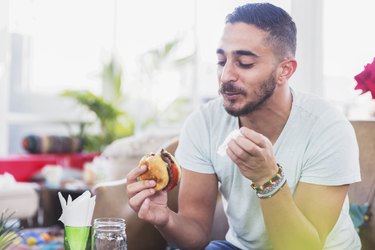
column 245, row 69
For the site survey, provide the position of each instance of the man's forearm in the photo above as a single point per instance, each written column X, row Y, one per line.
column 286, row 225
column 184, row 232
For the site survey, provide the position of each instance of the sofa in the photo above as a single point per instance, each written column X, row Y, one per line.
column 363, row 192
column 18, row 200
column 111, row 200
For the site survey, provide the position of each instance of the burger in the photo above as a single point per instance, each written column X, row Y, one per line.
column 163, row 168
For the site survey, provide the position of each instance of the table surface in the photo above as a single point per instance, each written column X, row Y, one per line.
column 47, row 238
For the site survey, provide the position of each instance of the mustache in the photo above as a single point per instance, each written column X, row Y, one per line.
column 231, row 88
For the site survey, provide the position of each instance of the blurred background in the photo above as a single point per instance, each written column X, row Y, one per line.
column 87, row 87
column 67, row 66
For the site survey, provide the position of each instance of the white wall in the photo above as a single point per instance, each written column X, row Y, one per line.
column 3, row 76
column 307, row 15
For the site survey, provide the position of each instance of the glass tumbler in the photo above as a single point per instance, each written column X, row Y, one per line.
column 109, row 234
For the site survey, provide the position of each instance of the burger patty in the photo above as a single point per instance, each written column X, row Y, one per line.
column 169, row 161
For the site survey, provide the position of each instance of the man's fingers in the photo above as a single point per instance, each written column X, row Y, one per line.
column 243, row 148
column 143, row 210
column 248, row 147
column 135, row 172
column 136, row 201
column 237, row 155
column 138, row 191
column 138, row 186
column 257, row 138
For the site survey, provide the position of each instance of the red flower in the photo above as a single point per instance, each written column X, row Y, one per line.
column 366, row 79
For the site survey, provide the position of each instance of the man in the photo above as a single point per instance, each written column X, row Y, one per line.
column 285, row 176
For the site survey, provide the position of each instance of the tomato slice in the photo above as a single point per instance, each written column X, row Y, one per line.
column 175, row 177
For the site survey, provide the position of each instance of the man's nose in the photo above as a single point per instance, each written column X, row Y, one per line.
column 228, row 73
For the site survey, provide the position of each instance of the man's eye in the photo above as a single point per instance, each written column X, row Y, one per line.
column 246, row 65
column 221, row 63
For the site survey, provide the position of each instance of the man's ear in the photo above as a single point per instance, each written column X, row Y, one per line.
column 286, row 69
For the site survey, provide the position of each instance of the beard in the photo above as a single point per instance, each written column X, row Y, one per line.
column 263, row 93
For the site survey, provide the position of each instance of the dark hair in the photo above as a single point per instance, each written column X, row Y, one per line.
column 272, row 19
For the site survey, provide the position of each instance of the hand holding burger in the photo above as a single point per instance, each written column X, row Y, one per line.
column 163, row 168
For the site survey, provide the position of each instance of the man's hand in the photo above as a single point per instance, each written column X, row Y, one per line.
column 150, row 205
column 253, row 154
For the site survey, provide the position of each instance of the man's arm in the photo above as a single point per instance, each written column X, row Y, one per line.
column 299, row 222
column 305, row 220
column 191, row 227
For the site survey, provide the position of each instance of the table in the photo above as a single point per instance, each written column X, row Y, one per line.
column 48, row 238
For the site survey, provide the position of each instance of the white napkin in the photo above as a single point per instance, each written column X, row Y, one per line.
column 222, row 151
column 77, row 213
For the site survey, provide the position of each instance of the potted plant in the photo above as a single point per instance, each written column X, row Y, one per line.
column 8, row 232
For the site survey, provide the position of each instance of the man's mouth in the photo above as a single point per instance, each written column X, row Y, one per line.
column 231, row 91
column 231, row 96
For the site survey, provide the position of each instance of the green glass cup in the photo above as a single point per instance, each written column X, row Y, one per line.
column 77, row 238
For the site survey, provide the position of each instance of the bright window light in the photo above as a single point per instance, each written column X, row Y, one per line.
column 348, row 44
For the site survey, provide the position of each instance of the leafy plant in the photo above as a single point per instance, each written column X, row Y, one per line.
column 152, row 63
column 173, row 113
column 8, row 233
column 114, row 123
column 112, row 78
column 155, row 59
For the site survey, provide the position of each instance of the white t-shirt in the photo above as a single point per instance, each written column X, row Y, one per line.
column 317, row 145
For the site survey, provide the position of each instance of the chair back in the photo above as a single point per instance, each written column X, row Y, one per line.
column 363, row 191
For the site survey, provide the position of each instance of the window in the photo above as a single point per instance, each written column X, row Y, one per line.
column 348, row 45
column 59, row 46
column 54, row 46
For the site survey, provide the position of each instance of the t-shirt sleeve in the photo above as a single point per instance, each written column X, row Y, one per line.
column 332, row 156
column 193, row 148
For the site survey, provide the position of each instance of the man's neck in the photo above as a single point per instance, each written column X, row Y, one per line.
column 271, row 118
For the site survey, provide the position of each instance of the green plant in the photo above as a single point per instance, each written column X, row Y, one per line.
column 114, row 122
column 8, row 232
column 165, row 58
column 112, row 81
column 178, row 109
column 155, row 59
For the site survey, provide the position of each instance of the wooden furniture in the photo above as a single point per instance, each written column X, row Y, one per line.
column 363, row 191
